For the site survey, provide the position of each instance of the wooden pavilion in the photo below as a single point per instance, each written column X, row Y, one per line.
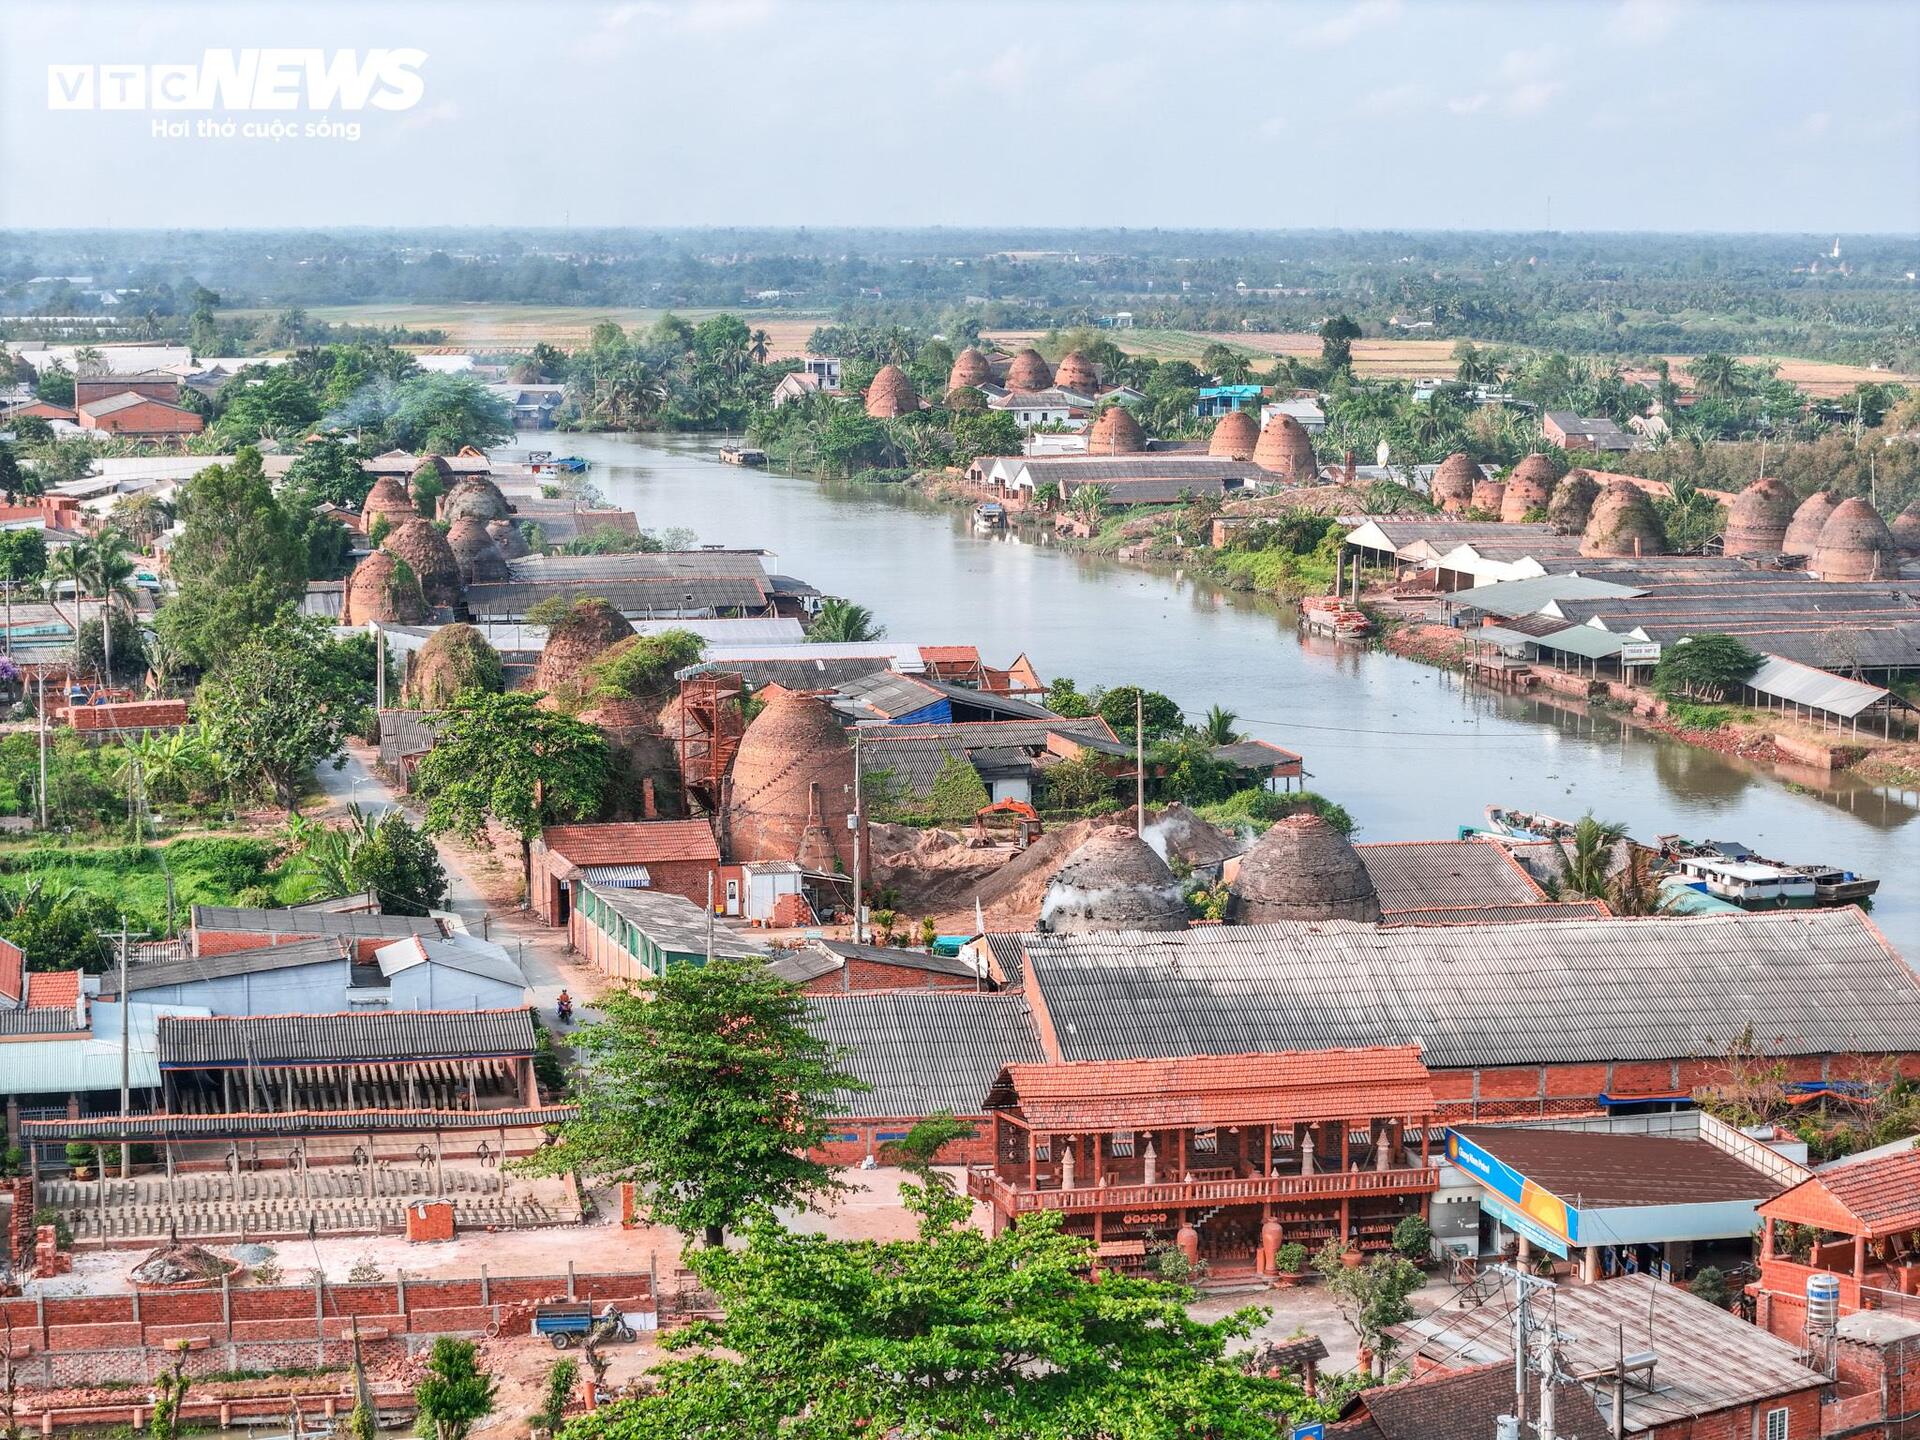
column 1231, row 1155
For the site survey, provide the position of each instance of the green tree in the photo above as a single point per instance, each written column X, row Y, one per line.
column 455, row 1394
column 984, row 432
column 955, row 1334
column 1161, row 715
column 1704, row 667
column 263, row 402
column 1584, row 869
column 555, row 1396
column 327, row 472
column 440, row 414
column 1218, row 727
column 56, row 927
column 124, row 644
column 1063, row 697
column 23, row 555
column 276, row 705
column 503, row 758
column 1372, row 1296
column 1337, row 334
column 958, row 793
column 237, row 562
column 920, row 1151
column 841, row 622
column 383, row 853
column 1081, row 785
column 169, row 1390
column 55, row 384
column 708, row 1092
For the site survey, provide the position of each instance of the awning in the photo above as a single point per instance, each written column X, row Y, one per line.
column 619, row 877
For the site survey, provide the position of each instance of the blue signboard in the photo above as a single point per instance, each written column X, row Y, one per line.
column 1316, row 1431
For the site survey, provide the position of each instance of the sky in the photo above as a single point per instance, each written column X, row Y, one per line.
column 1677, row 115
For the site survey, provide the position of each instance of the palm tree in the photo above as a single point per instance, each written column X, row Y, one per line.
column 1716, row 375
column 1218, row 726
column 1585, row 871
column 1087, row 502
column 107, row 569
column 841, row 622
column 759, row 345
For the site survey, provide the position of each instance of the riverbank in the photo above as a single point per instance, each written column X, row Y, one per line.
column 1163, row 537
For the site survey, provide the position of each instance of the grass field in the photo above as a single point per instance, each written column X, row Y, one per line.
column 211, row 870
column 1385, row 359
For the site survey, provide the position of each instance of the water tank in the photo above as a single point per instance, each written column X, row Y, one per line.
column 1823, row 1303
column 1506, row 1427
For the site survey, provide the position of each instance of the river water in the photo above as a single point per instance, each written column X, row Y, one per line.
column 1411, row 751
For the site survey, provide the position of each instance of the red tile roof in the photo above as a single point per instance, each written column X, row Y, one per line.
column 53, row 990
column 950, row 654
column 1290, row 1086
column 1876, row 1196
column 128, row 715
column 639, row 842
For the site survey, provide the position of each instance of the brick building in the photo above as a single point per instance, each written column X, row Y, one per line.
column 149, row 384
column 136, row 417
column 675, row 857
column 838, row 967
column 1856, row 1220
column 920, row 1051
column 1514, row 1020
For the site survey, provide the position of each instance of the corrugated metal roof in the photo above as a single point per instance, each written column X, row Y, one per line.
column 675, row 923
column 1803, row 685
column 240, row 1125
column 1525, row 596
column 658, row 565
column 358, row 1036
column 797, row 967
column 904, row 959
column 1586, row 641
column 310, row 922
column 321, row 950
column 468, row 954
column 924, row 1050
column 511, row 599
column 1801, row 982
column 1709, row 1360
column 1429, row 874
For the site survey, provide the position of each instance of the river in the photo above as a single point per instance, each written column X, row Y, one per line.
column 1411, row 751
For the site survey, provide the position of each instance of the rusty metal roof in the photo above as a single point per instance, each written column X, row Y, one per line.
column 924, row 1050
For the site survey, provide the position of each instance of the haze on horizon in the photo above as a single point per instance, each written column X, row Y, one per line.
column 1644, row 115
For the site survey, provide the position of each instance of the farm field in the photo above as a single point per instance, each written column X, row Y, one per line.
column 518, row 327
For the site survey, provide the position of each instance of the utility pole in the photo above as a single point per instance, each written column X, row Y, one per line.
column 379, row 669
column 126, row 1041
column 42, row 708
column 1139, row 762
column 709, row 917
column 859, row 822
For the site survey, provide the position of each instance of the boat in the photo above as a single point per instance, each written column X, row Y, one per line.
column 1526, row 825
column 1769, row 882
column 1331, row 615
column 743, row 455
column 990, row 515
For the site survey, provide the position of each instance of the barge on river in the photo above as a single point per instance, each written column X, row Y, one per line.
column 743, row 455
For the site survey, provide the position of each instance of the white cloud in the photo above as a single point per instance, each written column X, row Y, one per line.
column 1273, row 127
column 1528, row 79
column 1816, row 124
column 1469, row 104
column 1010, row 72
column 1530, row 98
column 1641, row 22
column 1349, row 24
column 622, row 26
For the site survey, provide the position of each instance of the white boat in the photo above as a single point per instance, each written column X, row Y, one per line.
column 990, row 515
column 1750, row 884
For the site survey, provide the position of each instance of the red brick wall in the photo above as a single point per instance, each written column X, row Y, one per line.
column 146, row 418
column 429, row 1221
column 1744, row 1422
column 866, row 975
column 866, row 1141
column 280, row 1313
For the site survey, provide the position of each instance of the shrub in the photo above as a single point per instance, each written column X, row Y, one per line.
column 1413, row 1238
column 1291, row 1258
column 1710, row 1285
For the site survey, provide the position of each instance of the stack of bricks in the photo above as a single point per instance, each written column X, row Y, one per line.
column 429, row 1221
column 791, row 912
column 48, row 1257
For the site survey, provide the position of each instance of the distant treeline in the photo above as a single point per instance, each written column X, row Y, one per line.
column 1604, row 293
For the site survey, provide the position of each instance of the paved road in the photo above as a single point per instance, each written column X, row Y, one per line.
column 541, row 951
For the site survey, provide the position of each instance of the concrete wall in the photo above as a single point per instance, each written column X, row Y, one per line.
column 317, row 989
column 441, row 987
